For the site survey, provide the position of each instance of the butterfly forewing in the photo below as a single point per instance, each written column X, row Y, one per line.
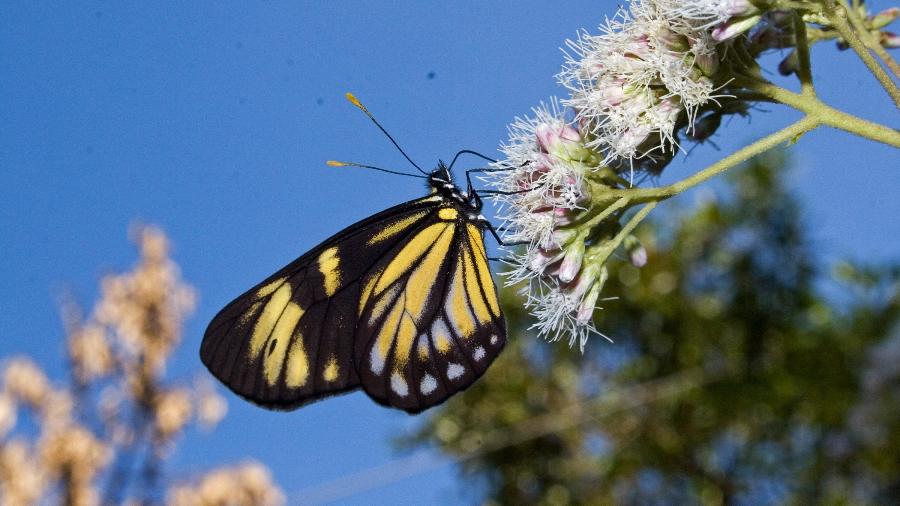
column 289, row 340
column 402, row 304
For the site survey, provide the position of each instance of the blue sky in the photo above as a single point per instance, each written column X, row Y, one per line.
column 213, row 120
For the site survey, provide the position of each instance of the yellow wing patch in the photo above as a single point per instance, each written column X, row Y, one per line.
column 268, row 318
column 331, row 369
column 473, row 291
column 279, row 340
column 271, row 287
column 484, row 274
column 367, row 290
column 395, row 228
column 410, row 254
column 329, row 266
column 448, row 213
column 458, row 305
column 297, row 365
column 421, row 281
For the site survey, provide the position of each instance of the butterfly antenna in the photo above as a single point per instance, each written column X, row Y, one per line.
column 335, row 163
column 355, row 101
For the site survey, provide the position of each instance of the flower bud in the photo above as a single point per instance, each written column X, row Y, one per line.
column 673, row 41
column 790, row 64
column 734, row 27
column 636, row 251
column 562, row 216
column 561, row 237
column 884, row 18
column 587, row 305
column 562, row 141
column 889, row 40
column 707, row 62
column 571, row 262
column 542, row 258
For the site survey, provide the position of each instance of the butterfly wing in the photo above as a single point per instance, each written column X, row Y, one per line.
column 430, row 323
column 290, row 340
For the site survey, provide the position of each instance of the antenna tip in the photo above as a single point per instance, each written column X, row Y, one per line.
column 335, row 163
column 355, row 101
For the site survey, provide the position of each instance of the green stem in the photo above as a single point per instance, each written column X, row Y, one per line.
column 804, row 73
column 872, row 42
column 798, row 6
column 826, row 114
column 838, row 18
column 605, row 212
column 786, row 134
column 632, row 223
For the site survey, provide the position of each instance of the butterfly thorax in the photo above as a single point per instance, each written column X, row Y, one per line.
column 440, row 182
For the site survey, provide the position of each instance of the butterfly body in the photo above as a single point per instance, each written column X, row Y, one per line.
column 401, row 305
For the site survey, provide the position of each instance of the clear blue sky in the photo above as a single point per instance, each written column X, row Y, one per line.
column 214, row 120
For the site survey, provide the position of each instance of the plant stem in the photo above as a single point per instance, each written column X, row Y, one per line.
column 786, row 134
column 804, row 73
column 632, row 223
column 605, row 213
column 838, row 17
column 872, row 42
column 826, row 114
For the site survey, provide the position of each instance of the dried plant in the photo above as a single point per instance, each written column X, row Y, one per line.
column 104, row 435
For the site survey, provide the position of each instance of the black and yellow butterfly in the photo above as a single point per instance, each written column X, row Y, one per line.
column 401, row 304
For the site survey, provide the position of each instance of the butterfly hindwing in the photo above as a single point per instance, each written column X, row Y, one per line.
column 431, row 324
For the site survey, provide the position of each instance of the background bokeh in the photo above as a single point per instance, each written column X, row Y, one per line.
column 213, row 120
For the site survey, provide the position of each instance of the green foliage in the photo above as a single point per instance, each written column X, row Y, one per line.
column 733, row 377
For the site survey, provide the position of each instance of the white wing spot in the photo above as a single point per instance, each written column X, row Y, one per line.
column 429, row 384
column 398, row 385
column 376, row 361
column 455, row 370
column 494, row 339
column 479, row 353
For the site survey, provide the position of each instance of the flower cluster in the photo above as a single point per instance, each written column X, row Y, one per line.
column 563, row 206
column 118, row 357
column 649, row 73
column 657, row 69
column 249, row 483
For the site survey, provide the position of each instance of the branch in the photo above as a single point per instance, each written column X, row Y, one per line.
column 872, row 43
column 826, row 114
column 786, row 134
column 838, row 18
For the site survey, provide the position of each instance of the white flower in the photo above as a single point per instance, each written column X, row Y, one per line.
column 650, row 66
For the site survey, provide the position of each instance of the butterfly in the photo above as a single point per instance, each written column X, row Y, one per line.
column 401, row 305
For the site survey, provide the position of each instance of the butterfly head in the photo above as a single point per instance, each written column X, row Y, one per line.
column 440, row 181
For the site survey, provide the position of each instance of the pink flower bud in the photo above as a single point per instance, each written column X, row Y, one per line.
column 562, row 141
column 673, row 41
column 571, row 263
column 884, row 18
column 889, row 40
column 739, row 7
column 734, row 27
column 636, row 251
column 585, row 309
column 542, row 258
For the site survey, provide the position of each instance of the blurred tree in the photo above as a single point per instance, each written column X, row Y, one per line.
column 733, row 379
column 103, row 436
